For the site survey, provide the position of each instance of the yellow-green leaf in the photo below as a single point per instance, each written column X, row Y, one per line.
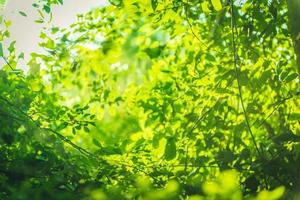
column 217, row 4
column 205, row 7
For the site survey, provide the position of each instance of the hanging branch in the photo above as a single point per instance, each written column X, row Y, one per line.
column 63, row 138
column 235, row 57
column 68, row 141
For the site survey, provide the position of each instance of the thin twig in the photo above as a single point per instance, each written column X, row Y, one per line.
column 191, row 26
column 200, row 118
column 272, row 112
column 235, row 56
column 6, row 61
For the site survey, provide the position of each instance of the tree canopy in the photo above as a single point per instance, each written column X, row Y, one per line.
column 155, row 99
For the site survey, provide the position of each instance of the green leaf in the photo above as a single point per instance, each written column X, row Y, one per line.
column 86, row 129
column 265, row 76
column 21, row 56
column 226, row 156
column 11, row 47
column 170, row 149
column 35, row 5
column 1, row 50
column 110, row 150
column 294, row 116
column 97, row 143
column 23, row 13
column 62, row 126
column 47, row 9
column 291, row 77
column 54, row 30
column 154, row 4
column 73, row 131
column 217, row 4
column 116, row 2
column 39, row 21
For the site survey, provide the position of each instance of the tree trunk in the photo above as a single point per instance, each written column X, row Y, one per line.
column 294, row 22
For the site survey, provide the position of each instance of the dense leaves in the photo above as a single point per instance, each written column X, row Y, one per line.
column 154, row 100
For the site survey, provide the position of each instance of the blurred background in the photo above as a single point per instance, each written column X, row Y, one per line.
column 26, row 32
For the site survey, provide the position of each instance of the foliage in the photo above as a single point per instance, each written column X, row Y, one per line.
column 154, row 100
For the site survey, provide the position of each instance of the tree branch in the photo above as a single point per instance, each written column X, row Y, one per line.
column 235, row 57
